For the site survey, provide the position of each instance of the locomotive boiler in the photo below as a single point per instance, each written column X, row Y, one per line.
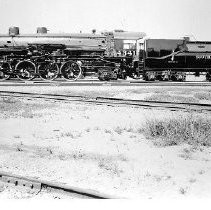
column 66, row 55
column 173, row 59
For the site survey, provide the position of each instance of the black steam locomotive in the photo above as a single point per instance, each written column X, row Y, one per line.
column 168, row 59
column 106, row 56
column 70, row 56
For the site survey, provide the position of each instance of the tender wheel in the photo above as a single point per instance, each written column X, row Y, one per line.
column 159, row 77
column 71, row 71
column 208, row 77
column 26, row 70
column 165, row 75
column 182, row 79
column 165, row 78
column 150, row 76
column 48, row 71
column 180, row 76
column 4, row 68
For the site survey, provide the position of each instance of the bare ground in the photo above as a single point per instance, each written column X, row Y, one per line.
column 99, row 147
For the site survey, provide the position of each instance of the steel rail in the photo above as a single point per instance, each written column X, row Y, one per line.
column 100, row 83
column 38, row 184
column 111, row 101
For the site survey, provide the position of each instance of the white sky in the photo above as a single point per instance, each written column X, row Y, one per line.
column 157, row 18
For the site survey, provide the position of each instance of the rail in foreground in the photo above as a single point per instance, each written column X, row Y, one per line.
column 38, row 184
column 111, row 101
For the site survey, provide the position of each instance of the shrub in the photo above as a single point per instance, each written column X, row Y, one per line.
column 203, row 96
column 176, row 130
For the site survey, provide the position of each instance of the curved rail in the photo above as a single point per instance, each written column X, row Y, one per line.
column 112, row 101
column 41, row 184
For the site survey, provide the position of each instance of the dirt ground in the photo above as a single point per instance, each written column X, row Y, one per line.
column 100, row 148
column 156, row 93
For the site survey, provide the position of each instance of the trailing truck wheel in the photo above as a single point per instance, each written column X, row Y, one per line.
column 104, row 75
column 71, row 71
column 26, row 70
column 3, row 71
column 123, row 75
column 48, row 71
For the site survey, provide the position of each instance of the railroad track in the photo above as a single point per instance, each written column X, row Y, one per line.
column 111, row 101
column 39, row 185
column 109, row 83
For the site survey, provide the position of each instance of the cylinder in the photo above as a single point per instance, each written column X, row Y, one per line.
column 13, row 31
column 42, row 30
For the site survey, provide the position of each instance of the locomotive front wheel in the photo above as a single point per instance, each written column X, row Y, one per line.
column 26, row 70
column 71, row 71
column 48, row 71
column 4, row 67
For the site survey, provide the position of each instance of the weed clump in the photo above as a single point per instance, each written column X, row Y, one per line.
column 172, row 98
column 192, row 130
column 203, row 96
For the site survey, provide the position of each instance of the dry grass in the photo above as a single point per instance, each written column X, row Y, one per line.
column 119, row 130
column 183, row 190
column 12, row 107
column 172, row 98
column 187, row 153
column 9, row 100
column 203, row 96
column 182, row 96
column 189, row 129
column 110, row 166
column 71, row 134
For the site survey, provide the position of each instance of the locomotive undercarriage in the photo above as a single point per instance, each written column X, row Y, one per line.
column 173, row 75
column 166, row 75
column 69, row 69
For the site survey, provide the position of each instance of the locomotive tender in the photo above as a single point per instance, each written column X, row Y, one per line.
column 70, row 56
column 173, row 59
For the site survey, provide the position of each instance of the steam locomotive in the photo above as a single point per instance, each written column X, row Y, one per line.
column 173, row 59
column 70, row 56
column 108, row 56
